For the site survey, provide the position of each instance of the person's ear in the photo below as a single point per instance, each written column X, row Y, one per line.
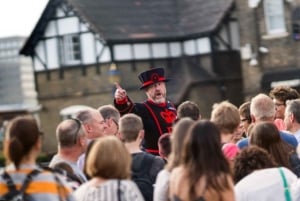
column 82, row 141
column 253, row 120
column 292, row 117
column 119, row 135
column 88, row 128
column 141, row 134
column 38, row 144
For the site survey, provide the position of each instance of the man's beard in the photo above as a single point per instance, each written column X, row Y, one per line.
column 159, row 98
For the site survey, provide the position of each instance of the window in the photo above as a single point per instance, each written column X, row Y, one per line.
column 296, row 24
column 274, row 15
column 71, row 53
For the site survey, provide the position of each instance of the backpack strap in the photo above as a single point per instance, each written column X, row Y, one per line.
column 12, row 187
column 9, row 182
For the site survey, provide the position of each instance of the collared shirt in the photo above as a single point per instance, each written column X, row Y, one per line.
column 57, row 159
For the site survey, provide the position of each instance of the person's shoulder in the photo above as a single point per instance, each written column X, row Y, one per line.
column 81, row 191
column 243, row 143
column 289, row 138
column 159, row 161
column 164, row 173
column 138, row 155
column 286, row 134
column 127, row 182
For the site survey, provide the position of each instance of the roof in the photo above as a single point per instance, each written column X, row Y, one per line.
column 119, row 21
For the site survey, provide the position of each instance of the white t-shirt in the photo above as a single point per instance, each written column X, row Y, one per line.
column 109, row 191
column 266, row 185
column 161, row 188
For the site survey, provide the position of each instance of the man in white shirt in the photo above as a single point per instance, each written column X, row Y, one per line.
column 292, row 117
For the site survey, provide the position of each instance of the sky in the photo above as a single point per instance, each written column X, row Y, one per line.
column 19, row 17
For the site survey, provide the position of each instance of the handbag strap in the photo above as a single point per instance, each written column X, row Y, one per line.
column 286, row 188
column 119, row 190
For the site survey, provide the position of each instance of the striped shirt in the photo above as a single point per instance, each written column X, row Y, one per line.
column 44, row 186
column 109, row 191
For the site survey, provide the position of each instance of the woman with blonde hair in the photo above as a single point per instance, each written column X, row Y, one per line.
column 108, row 164
column 204, row 172
column 22, row 144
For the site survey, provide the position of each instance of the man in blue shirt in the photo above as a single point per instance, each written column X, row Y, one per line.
column 262, row 109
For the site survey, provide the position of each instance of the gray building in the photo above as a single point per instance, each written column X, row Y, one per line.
column 17, row 86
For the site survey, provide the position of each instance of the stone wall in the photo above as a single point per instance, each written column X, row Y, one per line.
column 283, row 50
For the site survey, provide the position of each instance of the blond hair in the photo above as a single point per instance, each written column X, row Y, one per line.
column 109, row 159
column 226, row 116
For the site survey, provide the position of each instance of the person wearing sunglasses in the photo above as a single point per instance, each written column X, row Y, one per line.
column 72, row 142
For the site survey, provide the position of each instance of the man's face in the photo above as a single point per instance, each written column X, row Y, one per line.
column 96, row 126
column 157, row 92
column 279, row 108
column 287, row 121
column 111, row 127
column 244, row 124
column 238, row 133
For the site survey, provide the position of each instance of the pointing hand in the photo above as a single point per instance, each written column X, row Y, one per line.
column 120, row 93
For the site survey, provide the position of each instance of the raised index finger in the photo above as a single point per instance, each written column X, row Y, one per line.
column 117, row 85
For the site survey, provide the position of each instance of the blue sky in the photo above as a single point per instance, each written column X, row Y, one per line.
column 18, row 17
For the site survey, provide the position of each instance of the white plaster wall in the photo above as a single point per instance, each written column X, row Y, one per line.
column 68, row 25
column 235, row 35
column 88, row 46
column 51, row 29
column 52, row 53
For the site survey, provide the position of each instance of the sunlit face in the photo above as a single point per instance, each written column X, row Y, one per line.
column 287, row 121
column 111, row 127
column 96, row 126
column 244, row 124
column 157, row 92
column 238, row 133
column 279, row 108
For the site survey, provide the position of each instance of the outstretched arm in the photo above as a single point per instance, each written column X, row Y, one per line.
column 121, row 100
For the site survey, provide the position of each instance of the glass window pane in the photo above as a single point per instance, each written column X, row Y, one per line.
column 274, row 16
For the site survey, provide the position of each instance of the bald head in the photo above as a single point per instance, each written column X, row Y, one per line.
column 262, row 108
column 68, row 132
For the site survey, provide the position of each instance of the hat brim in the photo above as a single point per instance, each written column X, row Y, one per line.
column 148, row 85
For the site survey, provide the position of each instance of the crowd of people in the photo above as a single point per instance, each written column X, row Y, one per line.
column 154, row 151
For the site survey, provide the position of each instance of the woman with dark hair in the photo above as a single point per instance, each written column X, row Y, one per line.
column 257, row 177
column 204, row 172
column 266, row 136
column 177, row 137
column 22, row 145
column 250, row 159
